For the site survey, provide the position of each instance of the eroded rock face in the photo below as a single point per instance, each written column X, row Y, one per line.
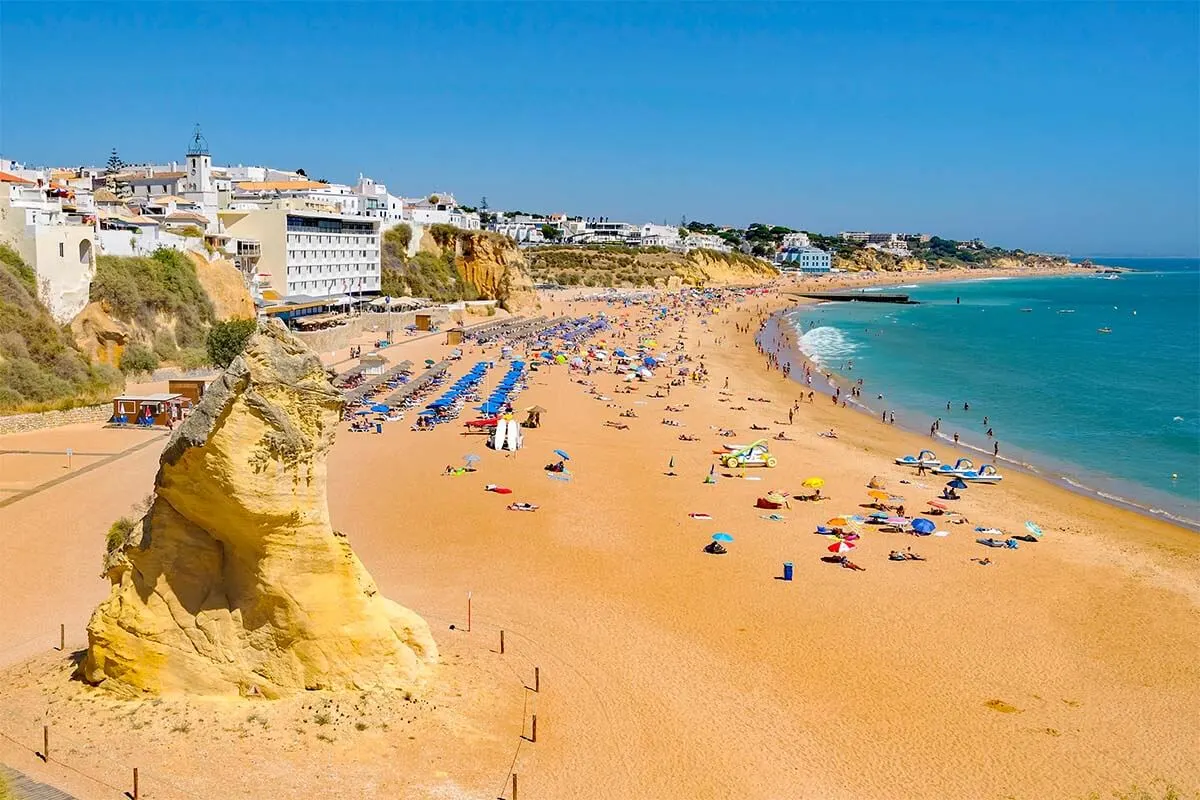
column 236, row 583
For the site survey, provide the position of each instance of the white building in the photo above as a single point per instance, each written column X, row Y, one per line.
column 797, row 239
column 300, row 252
column 660, row 236
column 61, row 251
column 199, row 185
column 375, row 201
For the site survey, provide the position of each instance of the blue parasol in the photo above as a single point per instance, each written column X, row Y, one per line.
column 561, row 454
column 470, row 458
column 921, row 525
column 1034, row 529
column 722, row 537
column 380, row 408
column 957, row 483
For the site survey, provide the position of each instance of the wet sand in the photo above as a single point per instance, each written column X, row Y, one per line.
column 1065, row 667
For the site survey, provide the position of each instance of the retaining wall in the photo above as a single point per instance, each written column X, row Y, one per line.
column 22, row 423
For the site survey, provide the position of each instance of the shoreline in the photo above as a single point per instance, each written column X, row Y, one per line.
column 1030, row 468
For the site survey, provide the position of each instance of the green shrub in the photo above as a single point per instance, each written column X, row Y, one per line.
column 138, row 289
column 118, row 533
column 227, row 339
column 193, row 358
column 138, row 358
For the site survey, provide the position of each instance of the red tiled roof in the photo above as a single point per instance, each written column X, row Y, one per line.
column 6, row 178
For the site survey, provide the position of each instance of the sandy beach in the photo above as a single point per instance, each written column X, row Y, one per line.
column 1065, row 667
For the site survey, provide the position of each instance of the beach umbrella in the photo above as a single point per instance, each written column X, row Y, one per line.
column 380, row 408
column 471, row 458
column 562, row 454
column 841, row 546
column 1034, row 529
column 957, row 483
column 878, row 515
column 921, row 525
column 901, row 521
column 878, row 494
column 838, row 522
column 722, row 537
column 938, row 504
column 429, row 362
column 813, row 483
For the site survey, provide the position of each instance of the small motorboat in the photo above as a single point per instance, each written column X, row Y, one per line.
column 985, row 474
column 960, row 467
column 926, row 457
column 1026, row 310
column 1103, row 330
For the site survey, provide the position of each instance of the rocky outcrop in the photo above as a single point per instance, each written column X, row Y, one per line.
column 706, row 267
column 224, row 286
column 869, row 260
column 234, row 583
column 99, row 335
column 490, row 262
column 622, row 266
column 496, row 267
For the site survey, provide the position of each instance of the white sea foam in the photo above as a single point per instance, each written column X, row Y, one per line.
column 909, row 286
column 826, row 344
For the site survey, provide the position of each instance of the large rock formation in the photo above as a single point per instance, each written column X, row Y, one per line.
column 225, row 287
column 496, row 267
column 235, row 583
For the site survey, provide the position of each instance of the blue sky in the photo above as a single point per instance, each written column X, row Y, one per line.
column 1058, row 127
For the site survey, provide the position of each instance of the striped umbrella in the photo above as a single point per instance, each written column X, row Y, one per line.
column 841, row 546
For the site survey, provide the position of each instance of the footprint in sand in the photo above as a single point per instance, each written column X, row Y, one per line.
column 1000, row 705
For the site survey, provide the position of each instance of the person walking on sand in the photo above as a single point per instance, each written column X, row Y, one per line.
column 932, row 430
column 996, row 450
column 791, row 415
column 920, row 468
column 892, row 417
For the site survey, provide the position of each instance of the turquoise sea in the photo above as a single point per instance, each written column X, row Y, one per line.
column 1116, row 414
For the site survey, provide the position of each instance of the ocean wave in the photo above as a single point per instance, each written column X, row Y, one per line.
column 825, row 344
column 909, row 286
column 1125, row 501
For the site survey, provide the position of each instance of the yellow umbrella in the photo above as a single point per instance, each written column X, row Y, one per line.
column 814, row 483
column 878, row 494
column 838, row 522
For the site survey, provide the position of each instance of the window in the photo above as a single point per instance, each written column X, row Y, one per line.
column 62, row 250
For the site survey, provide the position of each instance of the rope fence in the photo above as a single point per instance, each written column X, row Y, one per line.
column 104, row 771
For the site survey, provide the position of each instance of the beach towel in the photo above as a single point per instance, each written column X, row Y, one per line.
column 559, row 476
column 491, row 487
column 773, row 517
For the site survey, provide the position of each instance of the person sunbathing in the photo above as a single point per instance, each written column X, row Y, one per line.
column 629, row 412
column 715, row 548
column 828, row 434
column 726, row 433
column 618, row 425
column 783, row 437
column 737, row 408
column 687, row 437
column 758, row 428
column 673, row 408
column 672, row 422
column 848, row 564
column 522, row 507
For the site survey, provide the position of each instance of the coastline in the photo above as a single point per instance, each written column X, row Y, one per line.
column 1039, row 466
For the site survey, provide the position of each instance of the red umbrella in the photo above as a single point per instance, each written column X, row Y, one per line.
column 841, row 547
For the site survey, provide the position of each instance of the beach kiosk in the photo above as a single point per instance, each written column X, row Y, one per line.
column 147, row 410
column 191, row 388
column 372, row 364
column 424, row 322
column 454, row 336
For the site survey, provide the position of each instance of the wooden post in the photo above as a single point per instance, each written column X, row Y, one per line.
column 514, row 794
column 46, row 743
column 537, row 679
column 468, row 612
column 502, row 641
column 62, row 636
column 533, row 728
column 135, row 783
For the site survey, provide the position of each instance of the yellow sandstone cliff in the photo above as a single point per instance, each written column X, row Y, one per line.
column 225, row 287
column 235, row 583
column 489, row 261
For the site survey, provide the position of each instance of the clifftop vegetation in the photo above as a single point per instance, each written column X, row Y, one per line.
column 425, row 274
column 616, row 265
column 162, row 299
column 40, row 367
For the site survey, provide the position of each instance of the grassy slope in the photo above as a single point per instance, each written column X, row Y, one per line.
column 40, row 367
column 624, row 266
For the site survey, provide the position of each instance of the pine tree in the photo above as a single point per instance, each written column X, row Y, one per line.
column 115, row 164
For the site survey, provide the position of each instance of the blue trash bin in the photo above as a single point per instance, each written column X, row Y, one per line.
column 787, row 570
